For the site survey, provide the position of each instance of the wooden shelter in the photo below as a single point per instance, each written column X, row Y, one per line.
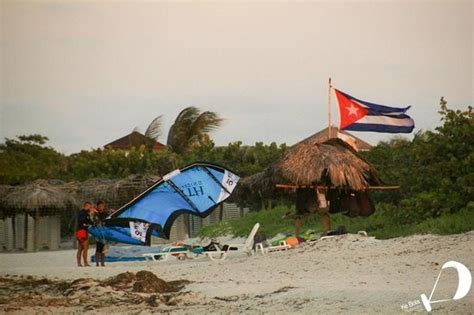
column 332, row 167
column 331, row 163
column 31, row 215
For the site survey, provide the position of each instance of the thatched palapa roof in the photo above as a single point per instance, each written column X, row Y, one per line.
column 312, row 162
column 38, row 195
column 51, row 196
column 114, row 192
column 355, row 142
column 4, row 191
column 332, row 162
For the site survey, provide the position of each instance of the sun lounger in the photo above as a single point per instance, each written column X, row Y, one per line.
column 167, row 252
column 322, row 238
column 265, row 250
column 216, row 255
column 183, row 251
column 246, row 247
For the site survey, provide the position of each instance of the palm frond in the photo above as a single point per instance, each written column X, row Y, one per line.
column 188, row 114
column 205, row 123
column 178, row 132
column 154, row 128
column 190, row 128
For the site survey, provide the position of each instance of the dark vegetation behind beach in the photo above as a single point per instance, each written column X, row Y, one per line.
column 435, row 171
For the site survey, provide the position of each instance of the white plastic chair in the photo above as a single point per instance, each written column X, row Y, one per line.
column 246, row 247
column 282, row 245
column 166, row 253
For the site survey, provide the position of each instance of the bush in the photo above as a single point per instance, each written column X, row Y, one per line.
column 387, row 222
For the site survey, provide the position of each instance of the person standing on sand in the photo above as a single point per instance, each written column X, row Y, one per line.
column 99, row 216
column 82, row 236
column 309, row 201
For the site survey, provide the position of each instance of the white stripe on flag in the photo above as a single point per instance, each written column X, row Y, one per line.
column 385, row 120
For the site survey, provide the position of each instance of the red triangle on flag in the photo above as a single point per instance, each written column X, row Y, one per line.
column 350, row 111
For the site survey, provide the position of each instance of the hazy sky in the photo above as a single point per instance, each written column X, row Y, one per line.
column 85, row 73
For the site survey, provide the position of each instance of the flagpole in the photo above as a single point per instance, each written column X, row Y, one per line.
column 329, row 108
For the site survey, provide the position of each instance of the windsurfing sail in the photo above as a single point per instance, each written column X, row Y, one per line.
column 196, row 189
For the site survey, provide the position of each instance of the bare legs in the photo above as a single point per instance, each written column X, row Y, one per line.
column 82, row 249
column 298, row 224
column 84, row 252
column 79, row 253
column 325, row 220
column 99, row 258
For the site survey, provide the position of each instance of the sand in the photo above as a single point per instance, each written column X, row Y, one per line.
column 348, row 274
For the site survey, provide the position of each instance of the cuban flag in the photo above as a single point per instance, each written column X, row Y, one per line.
column 358, row 115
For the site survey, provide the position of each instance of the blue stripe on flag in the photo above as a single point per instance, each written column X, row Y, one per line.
column 380, row 128
column 380, row 109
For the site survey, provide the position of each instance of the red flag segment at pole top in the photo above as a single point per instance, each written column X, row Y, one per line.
column 349, row 110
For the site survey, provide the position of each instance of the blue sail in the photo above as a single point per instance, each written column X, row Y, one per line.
column 196, row 189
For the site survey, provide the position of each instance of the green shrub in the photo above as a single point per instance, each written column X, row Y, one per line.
column 386, row 222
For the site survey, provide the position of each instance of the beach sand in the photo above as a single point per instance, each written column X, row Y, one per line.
column 347, row 274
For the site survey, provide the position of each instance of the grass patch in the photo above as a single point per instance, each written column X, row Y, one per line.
column 384, row 224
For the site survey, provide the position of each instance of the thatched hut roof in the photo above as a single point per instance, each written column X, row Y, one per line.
column 38, row 195
column 332, row 162
column 261, row 184
column 55, row 195
column 114, row 192
column 94, row 189
column 128, row 188
column 4, row 191
column 355, row 142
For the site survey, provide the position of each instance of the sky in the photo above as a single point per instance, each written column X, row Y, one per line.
column 85, row 73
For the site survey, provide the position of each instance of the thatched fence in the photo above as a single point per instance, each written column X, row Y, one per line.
column 31, row 215
column 42, row 214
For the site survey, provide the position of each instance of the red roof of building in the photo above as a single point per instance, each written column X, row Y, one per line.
column 134, row 139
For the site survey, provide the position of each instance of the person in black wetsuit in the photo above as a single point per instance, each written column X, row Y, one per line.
column 82, row 236
column 99, row 216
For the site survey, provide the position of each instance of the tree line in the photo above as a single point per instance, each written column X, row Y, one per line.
column 435, row 170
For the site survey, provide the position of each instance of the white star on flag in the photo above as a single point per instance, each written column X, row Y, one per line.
column 352, row 110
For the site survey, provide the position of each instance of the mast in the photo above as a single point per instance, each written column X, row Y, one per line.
column 329, row 108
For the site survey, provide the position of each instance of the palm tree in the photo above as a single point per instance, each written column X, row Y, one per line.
column 190, row 129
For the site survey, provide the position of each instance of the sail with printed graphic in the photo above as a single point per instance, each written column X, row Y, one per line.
column 196, row 189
